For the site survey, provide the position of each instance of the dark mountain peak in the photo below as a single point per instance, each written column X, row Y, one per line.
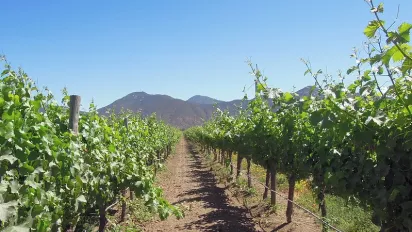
column 198, row 99
column 306, row 91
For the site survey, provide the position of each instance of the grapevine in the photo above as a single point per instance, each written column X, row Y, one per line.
column 49, row 177
column 351, row 140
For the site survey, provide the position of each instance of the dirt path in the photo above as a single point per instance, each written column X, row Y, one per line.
column 187, row 181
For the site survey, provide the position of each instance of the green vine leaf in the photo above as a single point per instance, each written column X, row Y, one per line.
column 406, row 66
column 372, row 27
column 380, row 8
column 404, row 31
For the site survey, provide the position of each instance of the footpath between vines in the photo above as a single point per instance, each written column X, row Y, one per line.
column 193, row 182
column 188, row 183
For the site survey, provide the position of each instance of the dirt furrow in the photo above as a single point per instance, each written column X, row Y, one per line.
column 187, row 182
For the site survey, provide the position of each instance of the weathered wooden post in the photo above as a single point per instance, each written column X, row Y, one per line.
column 74, row 113
column 249, row 174
column 273, row 172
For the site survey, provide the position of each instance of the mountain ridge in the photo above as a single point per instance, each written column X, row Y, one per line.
column 180, row 113
column 199, row 99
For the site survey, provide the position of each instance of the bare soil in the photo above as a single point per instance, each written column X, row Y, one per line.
column 188, row 182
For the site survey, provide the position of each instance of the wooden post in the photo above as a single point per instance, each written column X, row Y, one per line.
column 273, row 172
column 74, row 113
column 291, row 194
column 249, row 174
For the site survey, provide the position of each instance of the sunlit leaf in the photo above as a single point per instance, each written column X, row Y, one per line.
column 372, row 27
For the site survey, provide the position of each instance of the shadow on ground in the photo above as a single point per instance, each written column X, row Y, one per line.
column 224, row 217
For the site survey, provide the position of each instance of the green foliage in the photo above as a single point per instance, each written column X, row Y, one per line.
column 352, row 140
column 50, row 177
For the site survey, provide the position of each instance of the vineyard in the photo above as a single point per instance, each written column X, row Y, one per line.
column 58, row 167
column 349, row 140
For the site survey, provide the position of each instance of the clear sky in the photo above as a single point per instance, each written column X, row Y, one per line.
column 107, row 49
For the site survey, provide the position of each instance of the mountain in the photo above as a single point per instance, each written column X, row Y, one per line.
column 307, row 90
column 176, row 112
column 198, row 99
column 179, row 113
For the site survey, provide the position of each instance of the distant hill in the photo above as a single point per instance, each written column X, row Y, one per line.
column 174, row 111
column 198, row 99
column 179, row 113
column 306, row 91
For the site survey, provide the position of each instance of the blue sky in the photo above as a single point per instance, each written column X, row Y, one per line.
column 107, row 49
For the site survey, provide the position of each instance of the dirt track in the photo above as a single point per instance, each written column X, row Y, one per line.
column 187, row 181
